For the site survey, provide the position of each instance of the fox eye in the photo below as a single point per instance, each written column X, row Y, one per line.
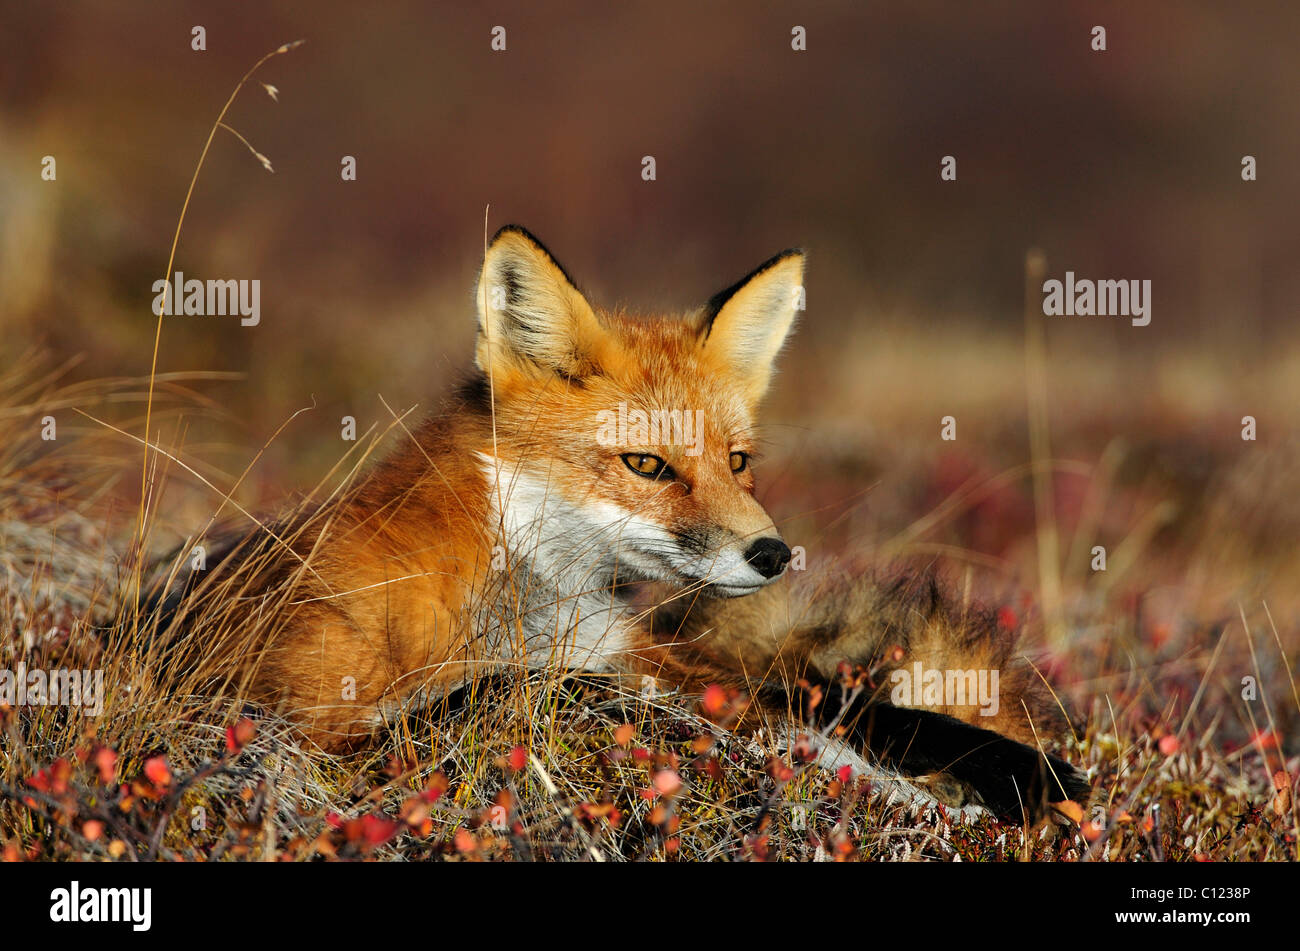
column 646, row 465
column 739, row 461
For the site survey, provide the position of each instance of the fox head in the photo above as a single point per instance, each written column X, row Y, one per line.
column 627, row 445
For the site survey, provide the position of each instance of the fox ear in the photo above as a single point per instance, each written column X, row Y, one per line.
column 744, row 326
column 531, row 317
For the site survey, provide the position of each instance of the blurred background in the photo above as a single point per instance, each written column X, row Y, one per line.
column 1122, row 164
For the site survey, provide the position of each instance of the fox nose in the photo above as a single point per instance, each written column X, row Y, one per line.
column 768, row 556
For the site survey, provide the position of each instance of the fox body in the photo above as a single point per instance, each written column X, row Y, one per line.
column 590, row 453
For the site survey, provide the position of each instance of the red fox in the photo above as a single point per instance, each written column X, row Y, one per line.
column 591, row 452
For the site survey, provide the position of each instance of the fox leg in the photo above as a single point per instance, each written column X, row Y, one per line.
column 786, row 649
column 1009, row 778
column 956, row 762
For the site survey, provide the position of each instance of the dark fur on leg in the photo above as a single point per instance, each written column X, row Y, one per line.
column 1010, row 779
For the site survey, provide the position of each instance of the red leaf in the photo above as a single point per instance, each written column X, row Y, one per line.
column 106, row 763
column 437, row 786
column 239, row 735
column 1265, row 738
column 377, row 829
column 60, row 773
column 518, row 758
column 667, row 782
column 156, row 771
column 715, row 700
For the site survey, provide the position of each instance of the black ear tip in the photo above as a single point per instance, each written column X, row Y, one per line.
column 515, row 229
column 714, row 304
column 532, row 239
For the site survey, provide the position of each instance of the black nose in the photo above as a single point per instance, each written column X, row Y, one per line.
column 769, row 556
